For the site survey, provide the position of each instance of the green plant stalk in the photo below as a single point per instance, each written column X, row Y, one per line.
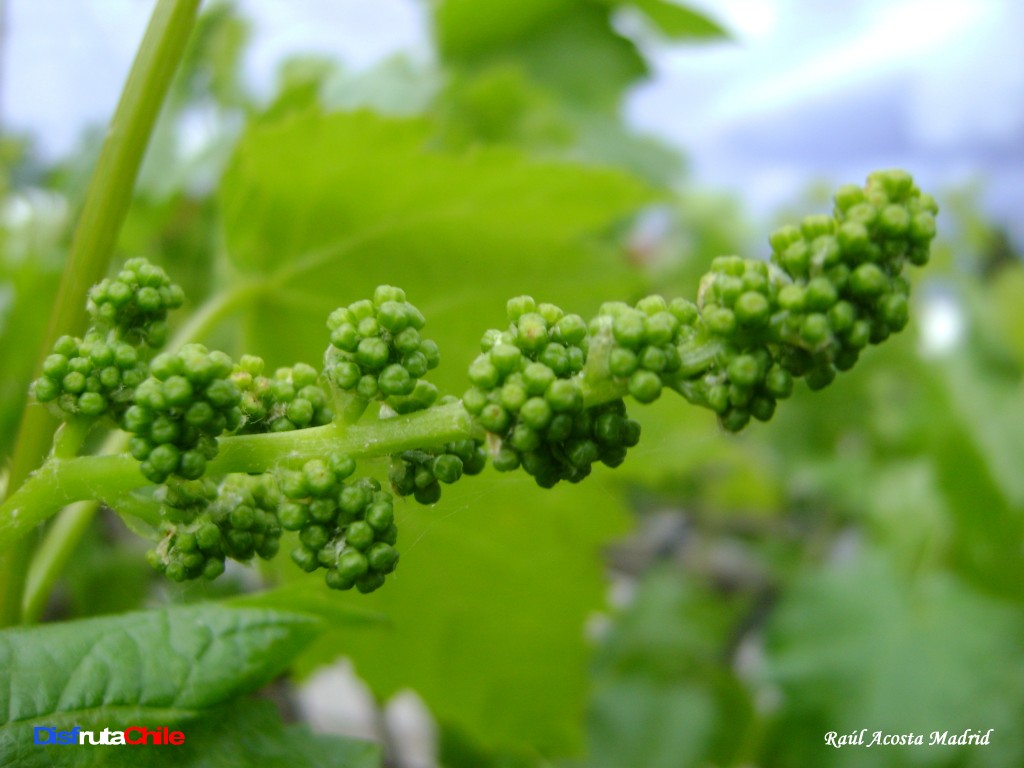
column 61, row 538
column 62, row 481
column 106, row 204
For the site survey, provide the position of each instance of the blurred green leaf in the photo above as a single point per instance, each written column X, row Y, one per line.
column 858, row 645
column 320, row 209
column 989, row 399
column 488, row 607
column 155, row 668
column 677, row 21
column 664, row 695
column 247, row 733
column 311, row 599
column 467, row 29
column 567, row 46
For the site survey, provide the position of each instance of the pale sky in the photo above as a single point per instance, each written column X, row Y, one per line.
column 805, row 90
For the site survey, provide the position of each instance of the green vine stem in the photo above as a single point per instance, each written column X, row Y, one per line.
column 62, row 481
column 103, row 212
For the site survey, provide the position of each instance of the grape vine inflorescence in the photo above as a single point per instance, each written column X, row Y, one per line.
column 547, row 393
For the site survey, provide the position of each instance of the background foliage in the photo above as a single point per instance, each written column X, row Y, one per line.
column 717, row 600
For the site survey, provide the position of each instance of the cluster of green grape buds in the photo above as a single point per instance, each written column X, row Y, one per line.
column 96, row 375
column 346, row 528
column 640, row 345
column 205, row 523
column 291, row 399
column 835, row 285
column 90, row 377
column 179, row 411
column 377, row 352
column 135, row 303
column 528, row 394
column 420, row 473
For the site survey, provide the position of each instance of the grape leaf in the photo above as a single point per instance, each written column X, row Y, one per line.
column 488, row 607
column 148, row 668
column 320, row 209
column 570, row 46
column 677, row 21
column 861, row 645
column 248, row 733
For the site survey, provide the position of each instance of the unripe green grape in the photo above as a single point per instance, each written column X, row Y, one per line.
column 532, row 332
column 778, row 383
column 868, row 281
column 719, row 320
column 292, row 516
column 783, row 237
column 744, row 371
column 370, row 582
column 537, row 377
column 335, row 580
column 505, row 358
column 734, row 419
column 570, row 329
column 353, row 499
column 506, row 459
column 622, row 362
column 423, row 476
column 684, row 311
column 859, row 334
column 564, row 396
column 382, row 557
column 550, row 312
column 346, row 375
column 894, row 311
column 352, row 563
column 795, row 259
column 346, row 337
column 820, row 377
column 368, row 328
column 519, row 306
column 430, row 494
column 395, row 380
column 628, row 330
column 820, row 294
column 415, row 363
column 407, row 341
column 315, row 536
column 582, row 453
column 513, row 397
column 372, row 353
column 92, row 404
column 653, row 359
column 536, row 413
column 494, row 418
column 815, row 329
column 474, row 400
column 341, row 464
column 380, row 516
column 846, row 358
column 728, row 265
column 305, row 558
column 483, row 373
column 816, row 225
column 752, row 309
column 192, row 465
column 842, row 316
column 645, row 386
column 847, row 196
column 555, row 357
column 367, row 388
column 894, row 221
